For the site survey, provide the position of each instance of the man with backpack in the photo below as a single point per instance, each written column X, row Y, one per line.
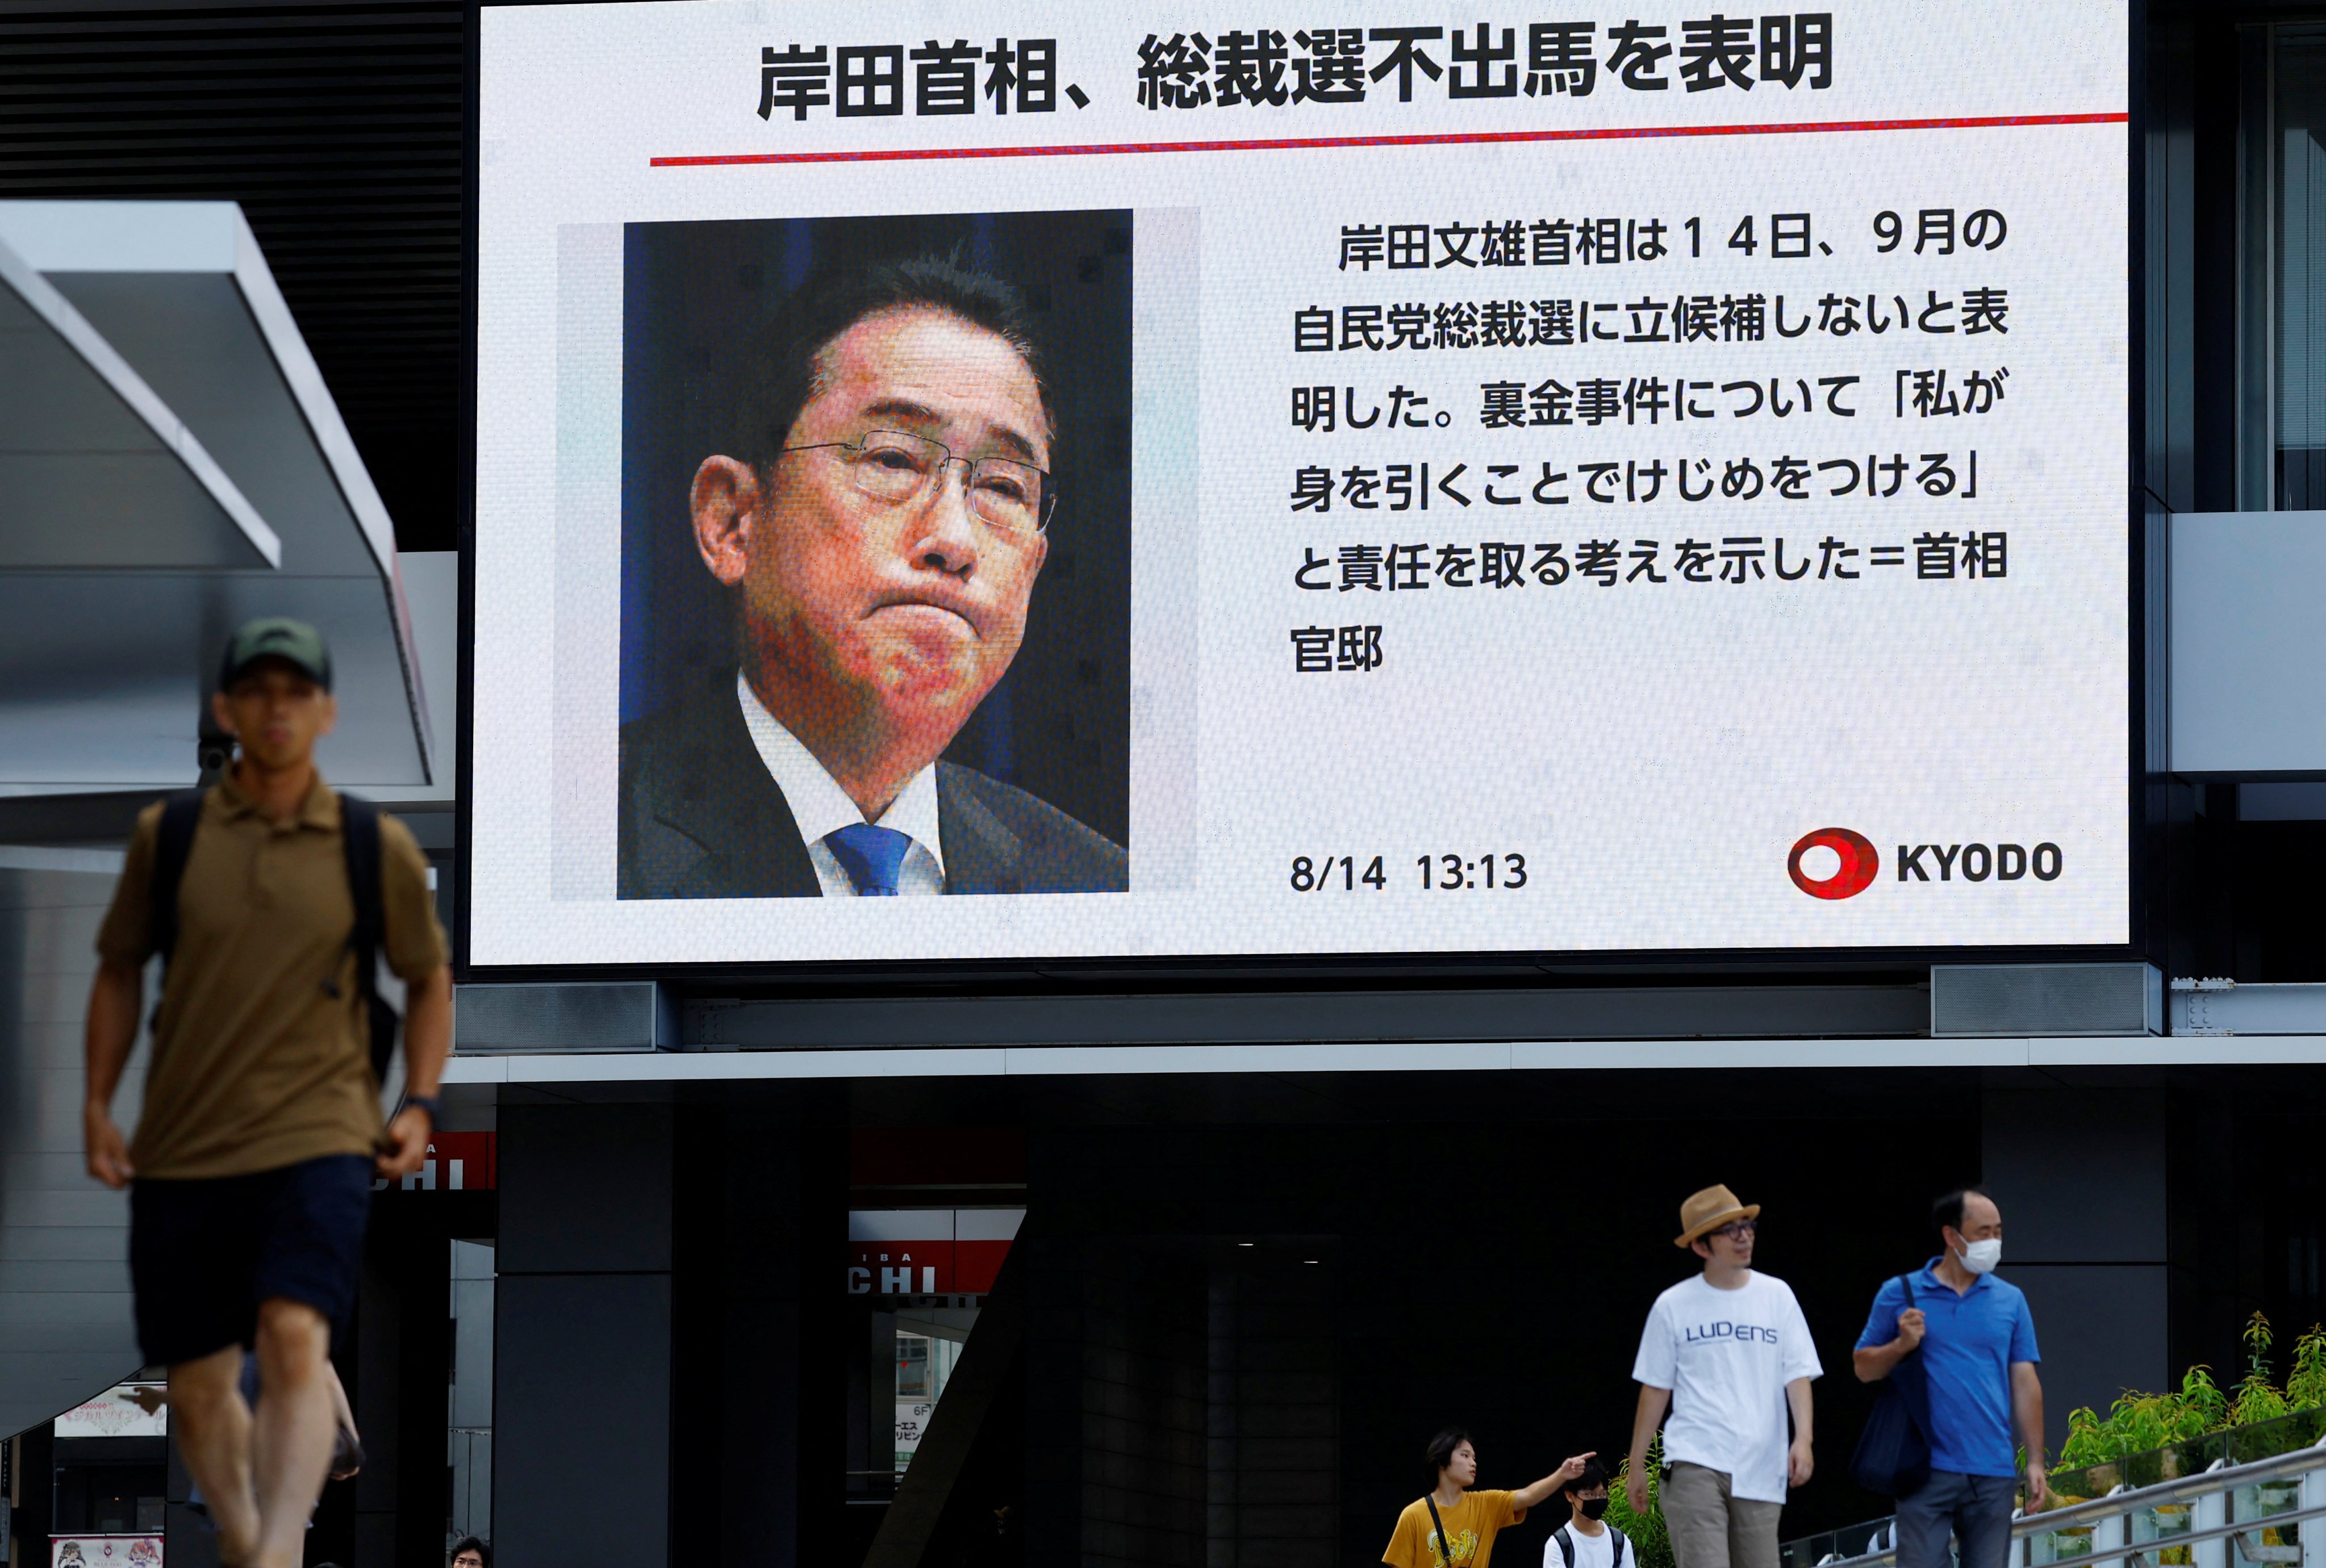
column 1583, row 1542
column 1975, row 1344
column 270, row 899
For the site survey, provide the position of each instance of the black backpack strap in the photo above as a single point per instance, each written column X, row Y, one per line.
column 1445, row 1547
column 359, row 836
column 1617, row 1560
column 173, row 842
column 1566, row 1540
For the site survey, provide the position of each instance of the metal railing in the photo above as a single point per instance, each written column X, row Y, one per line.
column 2216, row 1518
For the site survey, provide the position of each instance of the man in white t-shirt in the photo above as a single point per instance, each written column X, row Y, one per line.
column 1586, row 1540
column 1729, row 1352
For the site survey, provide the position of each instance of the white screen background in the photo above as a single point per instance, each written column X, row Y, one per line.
column 1654, row 751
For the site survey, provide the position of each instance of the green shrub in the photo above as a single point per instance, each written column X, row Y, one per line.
column 2257, row 1399
column 2140, row 1422
column 2137, row 1423
column 1641, row 1523
column 2305, row 1389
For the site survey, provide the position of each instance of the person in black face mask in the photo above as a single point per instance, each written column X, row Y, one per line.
column 1583, row 1542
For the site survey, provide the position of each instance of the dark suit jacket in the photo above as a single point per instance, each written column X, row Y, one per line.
column 702, row 819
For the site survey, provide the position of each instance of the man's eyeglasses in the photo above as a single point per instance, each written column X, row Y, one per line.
column 899, row 469
column 1738, row 1230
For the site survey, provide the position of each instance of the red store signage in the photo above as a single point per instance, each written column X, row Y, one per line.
column 928, row 1251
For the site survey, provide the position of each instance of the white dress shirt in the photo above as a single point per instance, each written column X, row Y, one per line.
column 820, row 806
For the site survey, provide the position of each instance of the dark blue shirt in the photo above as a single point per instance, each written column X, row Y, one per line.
column 1969, row 1343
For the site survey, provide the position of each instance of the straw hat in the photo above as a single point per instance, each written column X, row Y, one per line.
column 1709, row 1210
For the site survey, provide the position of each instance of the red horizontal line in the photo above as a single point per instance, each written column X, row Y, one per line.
column 1447, row 139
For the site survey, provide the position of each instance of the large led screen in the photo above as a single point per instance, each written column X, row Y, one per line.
column 1185, row 481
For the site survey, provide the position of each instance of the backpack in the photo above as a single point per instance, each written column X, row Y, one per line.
column 1566, row 1540
column 359, row 835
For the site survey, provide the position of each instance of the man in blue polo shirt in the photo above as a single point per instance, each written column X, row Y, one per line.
column 1978, row 1344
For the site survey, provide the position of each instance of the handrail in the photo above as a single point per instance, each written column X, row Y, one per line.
column 2180, row 1489
column 2191, row 1538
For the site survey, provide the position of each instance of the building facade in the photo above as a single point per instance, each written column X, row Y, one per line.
column 1182, row 1262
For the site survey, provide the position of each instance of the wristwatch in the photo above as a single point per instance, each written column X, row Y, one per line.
column 429, row 1103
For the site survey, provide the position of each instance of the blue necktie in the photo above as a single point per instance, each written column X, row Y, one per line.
column 871, row 856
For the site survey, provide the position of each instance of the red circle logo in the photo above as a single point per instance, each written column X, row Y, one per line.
column 1859, row 862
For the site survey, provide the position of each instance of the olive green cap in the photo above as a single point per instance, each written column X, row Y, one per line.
column 295, row 642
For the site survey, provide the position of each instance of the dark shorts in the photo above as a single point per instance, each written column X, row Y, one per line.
column 203, row 1254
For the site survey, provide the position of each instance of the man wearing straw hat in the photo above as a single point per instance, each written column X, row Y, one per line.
column 1730, row 1353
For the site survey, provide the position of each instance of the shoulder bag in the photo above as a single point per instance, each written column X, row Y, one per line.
column 1445, row 1547
column 1893, row 1450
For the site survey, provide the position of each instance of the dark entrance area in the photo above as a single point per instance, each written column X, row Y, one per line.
column 1144, row 1320
column 1245, row 1331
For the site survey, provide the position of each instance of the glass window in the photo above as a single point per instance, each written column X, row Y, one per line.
column 924, row 1364
column 2284, row 417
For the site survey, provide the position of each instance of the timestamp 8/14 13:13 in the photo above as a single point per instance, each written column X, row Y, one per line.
column 1438, row 873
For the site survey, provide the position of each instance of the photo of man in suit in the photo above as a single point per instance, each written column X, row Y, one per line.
column 879, row 524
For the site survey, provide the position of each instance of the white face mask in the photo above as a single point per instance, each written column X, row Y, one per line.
column 1981, row 1256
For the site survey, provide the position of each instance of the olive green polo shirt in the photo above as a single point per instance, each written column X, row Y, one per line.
column 262, row 1049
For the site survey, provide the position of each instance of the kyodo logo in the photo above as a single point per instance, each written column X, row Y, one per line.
column 1833, row 863
column 1977, row 862
column 1838, row 863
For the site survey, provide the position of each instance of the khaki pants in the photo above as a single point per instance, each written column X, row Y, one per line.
column 1711, row 1529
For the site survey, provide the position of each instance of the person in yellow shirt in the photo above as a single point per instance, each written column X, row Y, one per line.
column 1454, row 1527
